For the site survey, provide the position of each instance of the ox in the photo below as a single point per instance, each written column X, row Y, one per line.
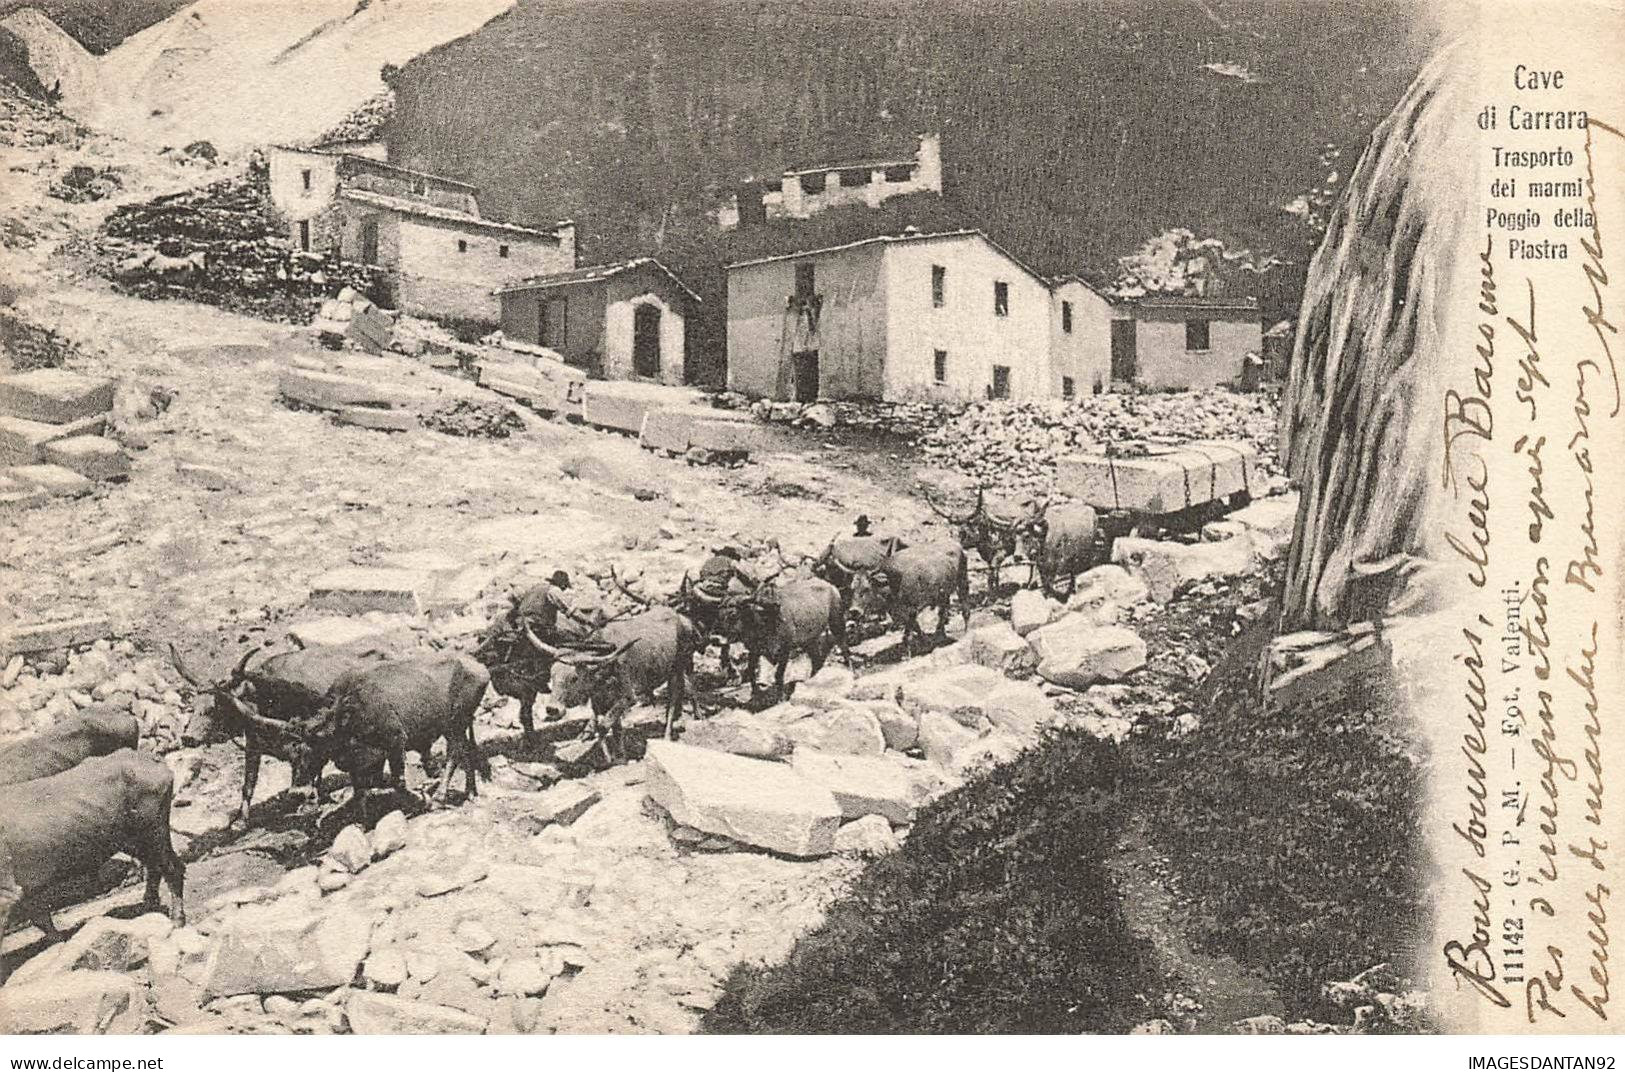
column 651, row 648
column 517, row 670
column 96, row 731
column 265, row 701
column 993, row 529
column 371, row 719
column 915, row 578
column 845, row 558
column 67, row 825
column 1066, row 539
column 805, row 615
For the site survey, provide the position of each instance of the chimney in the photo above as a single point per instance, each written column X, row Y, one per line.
column 928, row 162
column 565, row 232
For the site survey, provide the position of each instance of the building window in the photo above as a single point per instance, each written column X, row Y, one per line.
column 304, row 233
column 304, row 176
column 939, row 285
column 1001, row 299
column 939, row 366
column 900, row 173
column 1196, row 335
column 502, row 251
column 462, row 245
column 1066, row 319
column 1068, row 388
column 813, row 183
column 1000, row 387
column 855, row 177
column 806, row 283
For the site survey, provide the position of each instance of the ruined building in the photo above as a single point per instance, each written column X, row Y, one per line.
column 441, row 257
column 807, row 191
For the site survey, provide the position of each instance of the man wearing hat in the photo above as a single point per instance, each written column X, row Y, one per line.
column 541, row 607
column 861, row 528
column 718, row 578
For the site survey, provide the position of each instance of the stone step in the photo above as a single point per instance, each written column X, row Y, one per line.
column 382, row 420
column 325, row 390
column 54, row 396
column 22, row 441
column 357, row 590
column 615, row 413
column 54, row 480
column 93, row 457
column 51, row 636
column 678, row 430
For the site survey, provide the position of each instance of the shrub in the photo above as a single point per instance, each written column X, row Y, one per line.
column 997, row 915
column 1294, row 834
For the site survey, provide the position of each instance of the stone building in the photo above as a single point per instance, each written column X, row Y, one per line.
column 901, row 317
column 441, row 257
column 1172, row 342
column 807, row 191
column 623, row 321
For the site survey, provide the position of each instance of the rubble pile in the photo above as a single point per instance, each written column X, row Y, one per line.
column 365, row 123
column 909, row 420
column 42, row 688
column 81, row 183
column 28, row 346
column 26, row 121
column 1018, row 443
column 218, row 244
column 467, row 417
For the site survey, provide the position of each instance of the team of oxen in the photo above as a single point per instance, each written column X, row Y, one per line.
column 80, row 792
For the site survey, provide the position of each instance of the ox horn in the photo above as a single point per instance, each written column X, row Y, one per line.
column 615, row 578
column 950, row 518
column 185, row 671
column 254, row 718
column 242, row 665
column 571, row 658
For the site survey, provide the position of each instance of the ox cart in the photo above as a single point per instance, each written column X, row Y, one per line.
column 1142, row 490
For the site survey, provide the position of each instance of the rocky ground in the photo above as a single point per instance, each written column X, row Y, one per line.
column 613, row 901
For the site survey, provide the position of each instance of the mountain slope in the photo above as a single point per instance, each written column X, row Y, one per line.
column 98, row 25
column 1072, row 132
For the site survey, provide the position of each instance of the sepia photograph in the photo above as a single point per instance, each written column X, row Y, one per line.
column 810, row 517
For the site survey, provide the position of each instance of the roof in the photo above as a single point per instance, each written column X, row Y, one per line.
column 867, row 164
column 895, row 240
column 445, row 215
column 379, row 165
column 595, row 274
column 1192, row 302
column 1073, row 278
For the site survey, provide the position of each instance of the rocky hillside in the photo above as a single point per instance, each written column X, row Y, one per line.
column 99, row 25
column 1072, row 131
column 297, row 68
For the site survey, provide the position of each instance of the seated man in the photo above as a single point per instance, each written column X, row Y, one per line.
column 722, row 575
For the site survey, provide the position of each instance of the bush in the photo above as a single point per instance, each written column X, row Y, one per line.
column 1294, row 834
column 997, row 915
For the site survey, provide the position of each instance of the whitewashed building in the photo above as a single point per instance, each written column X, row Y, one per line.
column 902, row 317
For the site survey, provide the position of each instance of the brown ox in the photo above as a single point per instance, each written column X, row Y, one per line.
column 926, row 575
column 96, row 731
column 805, row 615
column 67, row 825
column 264, row 702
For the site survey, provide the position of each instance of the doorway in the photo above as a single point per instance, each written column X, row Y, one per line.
column 806, row 375
column 1123, row 351
column 1001, row 382
column 369, row 240
column 646, row 341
